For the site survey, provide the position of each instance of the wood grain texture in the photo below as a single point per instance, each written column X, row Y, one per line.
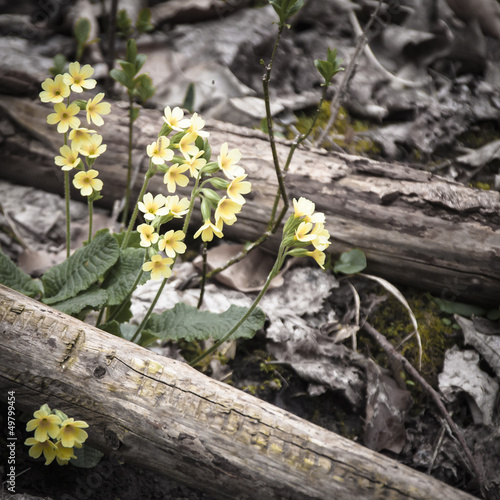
column 415, row 228
column 163, row 415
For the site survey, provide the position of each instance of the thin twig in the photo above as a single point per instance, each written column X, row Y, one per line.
column 391, row 352
column 203, row 275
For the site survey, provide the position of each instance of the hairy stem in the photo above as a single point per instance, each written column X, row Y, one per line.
column 203, row 275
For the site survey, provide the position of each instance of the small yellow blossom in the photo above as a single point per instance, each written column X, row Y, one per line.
column 78, row 136
column 175, row 176
column 48, row 448
column 148, row 235
column 159, row 267
column 195, row 163
column 64, row 116
column 63, row 455
column 303, row 207
column 86, row 182
column 93, row 147
column 237, row 187
column 302, row 233
column 318, row 256
column 197, row 123
column 79, row 78
column 186, row 146
column 96, row 108
column 174, row 119
column 69, row 157
column 44, row 424
column 227, row 162
column 72, row 432
column 54, row 90
column 208, row 230
column 177, row 207
column 171, row 242
column 226, row 211
column 159, row 152
column 153, row 206
column 322, row 236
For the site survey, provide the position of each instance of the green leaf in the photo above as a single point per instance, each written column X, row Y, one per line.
column 133, row 242
column 120, row 76
column 144, row 88
column 123, row 24
column 94, row 298
column 459, row 308
column 189, row 323
column 134, row 113
column 13, row 277
column 128, row 69
column 86, row 457
column 189, row 98
column 81, row 104
column 123, row 274
column 351, row 262
column 143, row 24
column 112, row 327
column 131, row 51
column 81, row 269
column 82, row 30
column 59, row 65
column 139, row 62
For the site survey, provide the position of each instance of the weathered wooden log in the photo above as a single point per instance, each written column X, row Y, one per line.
column 415, row 228
column 163, row 415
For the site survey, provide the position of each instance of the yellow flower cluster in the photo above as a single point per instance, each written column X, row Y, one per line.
column 65, row 432
column 84, row 141
column 305, row 228
column 188, row 155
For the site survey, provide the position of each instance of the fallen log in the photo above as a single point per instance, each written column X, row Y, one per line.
column 163, row 415
column 415, row 227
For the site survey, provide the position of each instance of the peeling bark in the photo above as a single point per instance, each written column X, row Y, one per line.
column 415, row 227
column 163, row 415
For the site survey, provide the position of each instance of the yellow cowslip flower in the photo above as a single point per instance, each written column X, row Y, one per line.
column 78, row 136
column 318, row 256
column 226, row 211
column 186, row 146
column 48, row 448
column 177, row 207
column 79, row 78
column 86, row 182
column 72, row 432
column 195, row 163
column 303, row 207
column 322, row 237
column 93, row 147
column 69, row 157
column 237, row 187
column 208, row 230
column 54, row 90
column 63, row 455
column 175, row 119
column 159, row 267
column 227, row 162
column 44, row 424
column 64, row 116
column 96, row 108
column 197, row 123
column 171, row 242
column 148, row 235
column 175, row 176
column 153, row 206
column 302, row 233
column 159, row 152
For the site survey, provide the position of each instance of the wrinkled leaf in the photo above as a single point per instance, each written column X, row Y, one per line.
column 81, row 269
column 13, row 277
column 94, row 298
column 351, row 262
column 189, row 323
column 86, row 457
column 459, row 308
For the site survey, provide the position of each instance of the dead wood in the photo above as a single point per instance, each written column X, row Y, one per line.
column 415, row 227
column 163, row 415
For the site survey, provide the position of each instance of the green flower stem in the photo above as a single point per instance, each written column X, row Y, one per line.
column 128, row 191
column 91, row 215
column 270, row 132
column 151, row 171
column 203, row 275
column 164, row 282
column 68, row 216
column 272, row 274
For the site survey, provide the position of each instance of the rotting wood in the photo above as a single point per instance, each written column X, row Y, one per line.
column 163, row 415
column 415, row 228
